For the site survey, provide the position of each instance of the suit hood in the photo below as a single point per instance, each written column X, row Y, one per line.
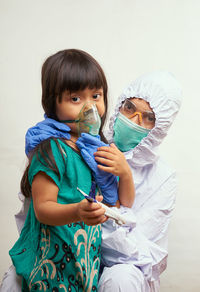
column 163, row 93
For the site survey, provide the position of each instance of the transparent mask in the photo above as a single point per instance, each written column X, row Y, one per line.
column 89, row 120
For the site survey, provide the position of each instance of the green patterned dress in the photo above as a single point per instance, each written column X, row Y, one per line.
column 59, row 258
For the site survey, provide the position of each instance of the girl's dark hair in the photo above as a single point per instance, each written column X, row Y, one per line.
column 70, row 70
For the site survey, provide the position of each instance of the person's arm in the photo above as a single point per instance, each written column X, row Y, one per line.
column 115, row 162
column 48, row 211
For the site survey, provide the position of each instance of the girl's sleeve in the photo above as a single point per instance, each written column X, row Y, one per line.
column 145, row 246
column 38, row 164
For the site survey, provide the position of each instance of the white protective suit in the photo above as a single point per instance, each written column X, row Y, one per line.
column 134, row 259
column 135, row 256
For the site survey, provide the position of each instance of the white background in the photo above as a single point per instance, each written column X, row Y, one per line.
column 128, row 38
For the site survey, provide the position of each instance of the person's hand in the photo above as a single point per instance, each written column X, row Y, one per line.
column 43, row 131
column 107, row 182
column 112, row 160
column 91, row 213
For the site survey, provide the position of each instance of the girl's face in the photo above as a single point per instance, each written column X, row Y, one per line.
column 72, row 103
column 138, row 111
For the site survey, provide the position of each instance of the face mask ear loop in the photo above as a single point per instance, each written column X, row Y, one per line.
column 139, row 116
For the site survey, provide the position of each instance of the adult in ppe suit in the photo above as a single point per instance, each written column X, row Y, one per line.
column 155, row 184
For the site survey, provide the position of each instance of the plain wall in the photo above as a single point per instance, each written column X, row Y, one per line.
column 128, row 38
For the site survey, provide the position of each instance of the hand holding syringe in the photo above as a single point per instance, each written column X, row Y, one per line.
column 113, row 214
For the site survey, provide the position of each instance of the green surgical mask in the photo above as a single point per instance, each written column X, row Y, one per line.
column 127, row 135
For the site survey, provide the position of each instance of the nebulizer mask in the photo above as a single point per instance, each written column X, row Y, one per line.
column 88, row 120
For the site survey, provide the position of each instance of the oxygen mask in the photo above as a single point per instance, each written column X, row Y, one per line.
column 89, row 120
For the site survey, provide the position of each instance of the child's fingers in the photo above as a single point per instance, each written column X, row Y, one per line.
column 93, row 217
column 89, row 214
column 115, row 149
column 99, row 198
column 96, row 213
column 104, row 219
column 104, row 161
column 113, row 146
column 107, row 149
column 106, row 168
column 88, row 206
column 105, row 154
column 96, row 221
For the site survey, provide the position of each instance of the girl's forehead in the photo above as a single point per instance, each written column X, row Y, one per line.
column 141, row 104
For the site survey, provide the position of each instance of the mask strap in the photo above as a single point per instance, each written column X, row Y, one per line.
column 70, row 121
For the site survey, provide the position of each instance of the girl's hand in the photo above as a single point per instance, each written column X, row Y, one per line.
column 113, row 160
column 91, row 213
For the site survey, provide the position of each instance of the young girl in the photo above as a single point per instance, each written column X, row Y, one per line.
column 59, row 246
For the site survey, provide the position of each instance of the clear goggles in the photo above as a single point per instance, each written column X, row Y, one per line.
column 130, row 110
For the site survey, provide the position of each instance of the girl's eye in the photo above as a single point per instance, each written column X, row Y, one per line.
column 75, row 98
column 96, row 96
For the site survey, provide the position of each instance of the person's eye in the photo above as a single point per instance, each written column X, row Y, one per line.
column 75, row 98
column 129, row 107
column 151, row 118
column 96, row 96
